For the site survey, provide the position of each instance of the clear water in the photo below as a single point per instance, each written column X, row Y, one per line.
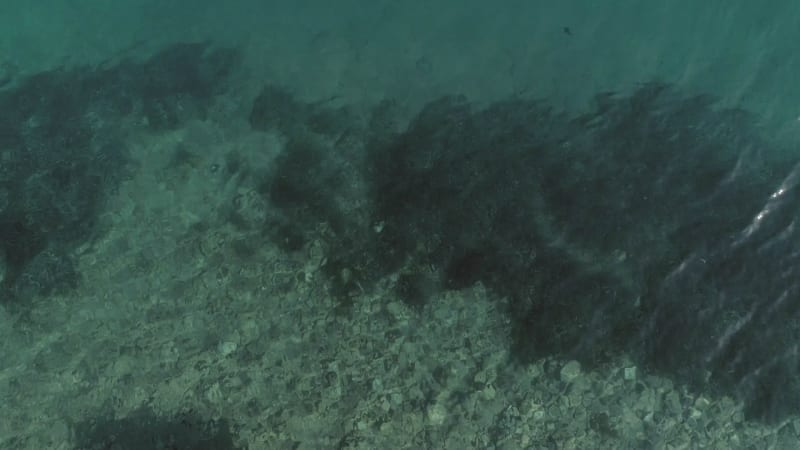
column 285, row 239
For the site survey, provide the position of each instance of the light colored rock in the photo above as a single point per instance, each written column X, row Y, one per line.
column 570, row 371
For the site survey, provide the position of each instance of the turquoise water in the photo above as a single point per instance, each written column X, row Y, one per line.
column 398, row 225
column 740, row 51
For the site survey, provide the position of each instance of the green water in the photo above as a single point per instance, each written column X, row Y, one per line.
column 260, row 242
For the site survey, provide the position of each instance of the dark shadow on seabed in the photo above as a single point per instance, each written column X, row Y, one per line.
column 657, row 225
column 64, row 150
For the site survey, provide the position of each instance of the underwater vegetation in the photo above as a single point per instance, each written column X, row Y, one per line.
column 145, row 430
column 63, row 149
column 656, row 225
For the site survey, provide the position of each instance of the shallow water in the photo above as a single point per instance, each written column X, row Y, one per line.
column 285, row 239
